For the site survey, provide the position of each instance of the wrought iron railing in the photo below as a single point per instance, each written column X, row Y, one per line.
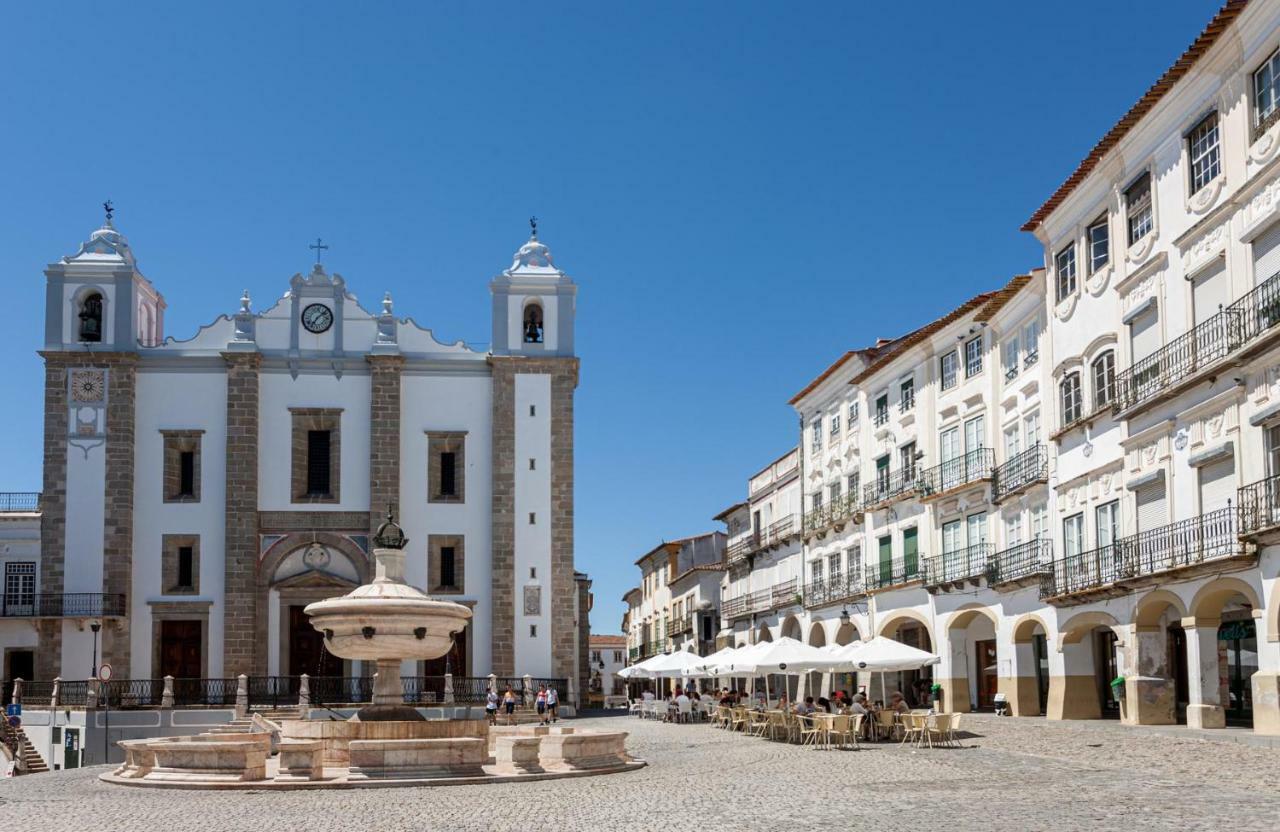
column 1234, row 327
column 204, row 692
column 341, row 690
column 676, row 626
column 61, row 605
column 19, row 500
column 1206, row 538
column 778, row 531
column 969, row 467
column 1021, row 470
column 890, row 486
column 833, row 589
column 129, row 694
column 1022, row 560
column 732, row 608
column 274, row 691
column 739, row 549
column 1260, row 505
column 787, row 592
column 881, row 417
column 74, row 694
column 832, row 513
column 881, row 575
column 971, row 562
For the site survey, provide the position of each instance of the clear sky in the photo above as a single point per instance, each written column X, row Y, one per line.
column 741, row 190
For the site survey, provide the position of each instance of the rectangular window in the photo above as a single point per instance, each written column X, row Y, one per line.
column 975, row 434
column 1104, row 380
column 853, row 414
column 447, row 465
column 445, row 562
column 20, row 587
column 833, row 565
column 882, row 473
column 816, row 500
column 447, row 575
column 1203, row 152
column 815, row 571
column 1137, row 201
column 187, row 474
column 835, row 424
column 317, row 454
column 1073, row 535
column 976, row 529
column 910, row 552
column 318, row 463
column 882, row 409
column 186, row 567
column 1012, row 442
column 1266, row 92
column 952, row 537
column 1272, row 441
column 907, row 394
column 1040, row 521
column 948, row 366
column 973, row 357
column 1032, row 425
column 816, row 433
column 181, row 465
column 1012, row 530
column 1072, row 406
column 1107, row 522
column 1031, row 343
column 1009, row 358
column 1099, row 235
column 907, row 458
column 852, row 483
column 834, row 489
column 448, row 474
column 1064, row 267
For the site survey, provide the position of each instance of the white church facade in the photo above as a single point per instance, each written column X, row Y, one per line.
column 199, row 493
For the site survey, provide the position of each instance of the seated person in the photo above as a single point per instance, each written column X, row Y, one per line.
column 897, row 703
column 806, row 707
column 858, row 705
column 825, row 704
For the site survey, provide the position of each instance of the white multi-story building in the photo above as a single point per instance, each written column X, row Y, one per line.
column 199, row 493
column 676, row 606
column 608, row 655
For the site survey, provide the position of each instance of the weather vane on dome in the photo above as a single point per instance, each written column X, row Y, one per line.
column 106, row 206
column 319, row 247
column 533, row 224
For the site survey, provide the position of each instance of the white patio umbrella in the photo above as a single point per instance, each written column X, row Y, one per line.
column 706, row 666
column 885, row 655
column 789, row 656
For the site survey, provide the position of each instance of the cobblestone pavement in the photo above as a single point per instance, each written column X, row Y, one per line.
column 1011, row 774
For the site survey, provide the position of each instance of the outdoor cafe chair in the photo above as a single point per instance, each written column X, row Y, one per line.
column 793, row 725
column 635, row 708
column 939, row 727
column 837, row 727
column 855, row 727
column 738, row 721
column 759, row 724
column 916, row 729
column 723, row 716
column 886, row 723
column 809, row 729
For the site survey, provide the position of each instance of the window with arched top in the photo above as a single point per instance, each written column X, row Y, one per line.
column 1104, row 379
column 91, row 317
column 533, row 323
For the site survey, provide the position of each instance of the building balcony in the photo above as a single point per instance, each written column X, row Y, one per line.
column 836, row 513
column 775, row 534
column 62, row 605
column 1206, row 543
column 890, row 488
column 19, row 501
column 1021, row 471
column 784, row 594
column 1021, row 564
column 738, row 551
column 954, row 474
column 679, row 626
column 952, row 570
column 1232, row 333
column 1259, row 507
column 833, row 589
column 888, row 575
column 731, row 608
column 761, row 600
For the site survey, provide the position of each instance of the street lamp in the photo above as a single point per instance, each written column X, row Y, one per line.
column 95, row 626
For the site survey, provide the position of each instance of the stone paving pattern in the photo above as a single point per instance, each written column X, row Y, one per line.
column 1014, row 774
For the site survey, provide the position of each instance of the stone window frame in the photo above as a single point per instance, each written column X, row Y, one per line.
column 175, row 443
column 435, row 543
column 308, row 419
column 440, row 442
column 169, row 546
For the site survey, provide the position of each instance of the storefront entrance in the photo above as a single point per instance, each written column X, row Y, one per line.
column 986, row 673
column 1237, row 662
column 1105, row 670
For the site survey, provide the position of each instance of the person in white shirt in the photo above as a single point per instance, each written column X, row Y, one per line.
column 684, row 706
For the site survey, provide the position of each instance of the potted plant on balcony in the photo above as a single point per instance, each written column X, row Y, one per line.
column 1117, row 688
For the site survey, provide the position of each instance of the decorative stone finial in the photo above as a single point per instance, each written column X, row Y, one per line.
column 389, row 534
column 244, row 301
column 386, row 304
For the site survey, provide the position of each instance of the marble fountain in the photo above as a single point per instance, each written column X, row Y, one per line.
column 387, row 742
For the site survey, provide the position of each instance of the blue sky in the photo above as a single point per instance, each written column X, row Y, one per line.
column 741, row 190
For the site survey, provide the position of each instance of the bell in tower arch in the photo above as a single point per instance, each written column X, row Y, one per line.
column 91, row 318
column 533, row 324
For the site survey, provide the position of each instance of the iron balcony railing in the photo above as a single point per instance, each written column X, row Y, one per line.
column 739, row 549
column 676, row 626
column 1022, row 470
column 787, row 592
column 1022, row 560
column 19, row 501
column 833, row 589
column 967, row 468
column 1030, row 358
column 778, row 532
column 1204, row 539
column 732, row 608
column 890, row 486
column 895, row 573
column 881, row 417
column 1233, row 328
column 1260, row 505
column 832, row 513
column 968, row 563
column 61, row 605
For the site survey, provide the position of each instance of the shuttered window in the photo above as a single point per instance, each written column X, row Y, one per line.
column 1150, row 504
column 1144, row 334
column 1266, row 254
column 1210, row 291
column 1217, row 484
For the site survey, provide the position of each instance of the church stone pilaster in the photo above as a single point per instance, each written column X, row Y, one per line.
column 244, row 626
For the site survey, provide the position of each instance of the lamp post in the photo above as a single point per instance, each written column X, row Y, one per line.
column 95, row 626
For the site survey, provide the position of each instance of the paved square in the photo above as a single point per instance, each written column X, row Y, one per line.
column 1012, row 774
